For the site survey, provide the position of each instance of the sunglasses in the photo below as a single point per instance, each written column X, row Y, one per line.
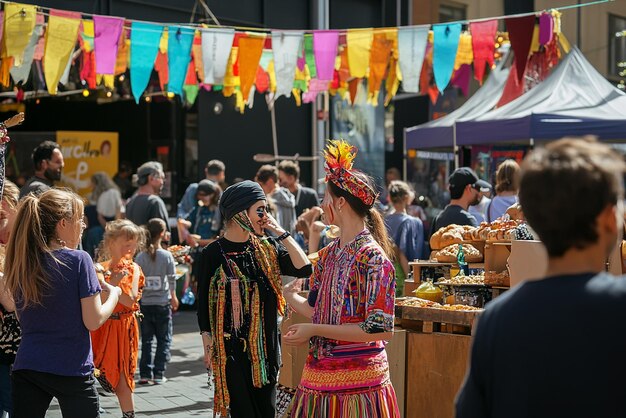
column 262, row 210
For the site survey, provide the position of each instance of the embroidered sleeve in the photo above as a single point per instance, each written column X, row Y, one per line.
column 316, row 278
column 380, row 290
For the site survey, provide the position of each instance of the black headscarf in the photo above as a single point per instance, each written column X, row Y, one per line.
column 239, row 197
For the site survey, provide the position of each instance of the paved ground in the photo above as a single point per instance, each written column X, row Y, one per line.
column 185, row 394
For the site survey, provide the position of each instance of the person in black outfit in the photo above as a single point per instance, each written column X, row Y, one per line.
column 554, row 347
column 465, row 187
column 239, row 300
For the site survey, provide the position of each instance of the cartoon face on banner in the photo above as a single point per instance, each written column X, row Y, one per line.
column 86, row 153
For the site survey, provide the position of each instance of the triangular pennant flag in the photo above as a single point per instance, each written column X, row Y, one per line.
column 20, row 73
column 60, row 39
column 359, row 45
column 196, row 56
column 534, row 43
column 286, row 47
column 412, row 45
column 464, row 53
column 107, row 31
column 379, row 61
column 250, row 50
column 461, row 78
column 123, row 48
column 445, row 44
column 546, row 28
column 521, row 34
column 72, row 15
column 87, row 35
column 483, row 34
column 513, row 88
column 144, row 47
column 309, row 55
column 19, row 23
column 325, row 43
column 178, row 55
column 216, row 46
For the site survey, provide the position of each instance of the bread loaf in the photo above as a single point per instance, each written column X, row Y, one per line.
column 449, row 254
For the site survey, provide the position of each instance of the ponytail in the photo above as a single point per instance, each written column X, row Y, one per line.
column 154, row 233
column 377, row 228
column 30, row 241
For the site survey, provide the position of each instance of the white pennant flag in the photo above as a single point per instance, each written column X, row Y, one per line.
column 286, row 47
column 216, row 46
column 412, row 48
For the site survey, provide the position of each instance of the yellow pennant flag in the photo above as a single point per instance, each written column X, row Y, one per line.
column 60, row 39
column 19, row 22
column 359, row 46
column 464, row 53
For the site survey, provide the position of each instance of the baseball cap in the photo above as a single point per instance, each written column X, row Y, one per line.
column 463, row 176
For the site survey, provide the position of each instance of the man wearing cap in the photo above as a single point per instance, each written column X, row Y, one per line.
column 465, row 187
column 146, row 203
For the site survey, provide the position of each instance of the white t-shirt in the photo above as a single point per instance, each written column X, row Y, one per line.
column 109, row 203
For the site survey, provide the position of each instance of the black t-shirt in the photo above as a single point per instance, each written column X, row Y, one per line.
column 242, row 253
column 550, row 348
column 453, row 214
column 306, row 198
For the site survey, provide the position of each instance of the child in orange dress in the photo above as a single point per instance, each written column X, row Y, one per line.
column 116, row 343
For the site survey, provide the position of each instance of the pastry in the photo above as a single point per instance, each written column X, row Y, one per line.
column 449, row 254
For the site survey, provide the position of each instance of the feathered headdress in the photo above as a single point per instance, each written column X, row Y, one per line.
column 339, row 156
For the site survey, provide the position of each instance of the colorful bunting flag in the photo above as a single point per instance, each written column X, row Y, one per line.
column 144, row 47
column 20, row 73
column 521, row 34
column 445, row 44
column 325, row 43
column 216, row 46
column 412, row 45
column 359, row 46
column 179, row 55
column 286, row 47
column 309, row 54
column 483, row 36
column 380, row 54
column 19, row 23
column 107, row 31
column 250, row 50
column 464, row 54
column 60, row 40
column 546, row 28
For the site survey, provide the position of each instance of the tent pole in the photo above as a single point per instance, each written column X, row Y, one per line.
column 405, row 155
column 532, row 144
column 455, row 148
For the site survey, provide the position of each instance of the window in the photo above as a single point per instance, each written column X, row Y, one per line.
column 452, row 12
column 617, row 47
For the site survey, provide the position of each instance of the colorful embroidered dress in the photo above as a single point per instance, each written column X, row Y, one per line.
column 350, row 285
column 116, row 343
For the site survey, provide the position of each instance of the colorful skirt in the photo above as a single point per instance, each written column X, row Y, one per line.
column 357, row 387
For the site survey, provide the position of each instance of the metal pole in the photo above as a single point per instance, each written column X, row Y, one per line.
column 455, row 148
column 405, row 156
column 578, row 28
column 274, row 134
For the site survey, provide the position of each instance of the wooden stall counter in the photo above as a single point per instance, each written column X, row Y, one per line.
column 437, row 346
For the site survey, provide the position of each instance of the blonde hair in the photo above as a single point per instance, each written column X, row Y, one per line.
column 102, row 182
column 115, row 229
column 508, row 177
column 11, row 194
column 30, row 241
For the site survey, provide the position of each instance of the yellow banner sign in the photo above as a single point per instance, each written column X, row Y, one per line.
column 86, row 153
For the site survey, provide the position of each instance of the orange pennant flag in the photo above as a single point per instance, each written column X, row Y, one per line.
column 379, row 61
column 250, row 51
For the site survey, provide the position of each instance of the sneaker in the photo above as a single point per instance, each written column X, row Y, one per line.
column 144, row 381
column 160, row 380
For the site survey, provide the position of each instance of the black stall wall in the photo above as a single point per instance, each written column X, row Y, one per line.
column 235, row 138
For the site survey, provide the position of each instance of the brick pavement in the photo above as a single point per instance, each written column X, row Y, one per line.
column 185, row 394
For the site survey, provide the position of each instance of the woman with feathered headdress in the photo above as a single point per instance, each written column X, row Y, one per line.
column 351, row 304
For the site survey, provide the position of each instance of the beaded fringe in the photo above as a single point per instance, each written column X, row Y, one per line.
column 376, row 403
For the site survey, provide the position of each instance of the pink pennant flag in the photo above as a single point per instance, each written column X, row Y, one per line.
column 107, row 35
column 546, row 28
column 325, row 49
column 483, row 38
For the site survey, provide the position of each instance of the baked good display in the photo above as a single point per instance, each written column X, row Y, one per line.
column 451, row 234
column 493, row 278
column 449, row 254
column 515, row 212
column 462, row 280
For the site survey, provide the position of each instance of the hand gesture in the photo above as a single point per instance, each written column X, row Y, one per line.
column 270, row 223
column 299, row 334
column 293, row 286
column 14, row 120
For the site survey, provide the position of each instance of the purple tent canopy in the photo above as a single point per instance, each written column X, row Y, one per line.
column 439, row 132
column 574, row 100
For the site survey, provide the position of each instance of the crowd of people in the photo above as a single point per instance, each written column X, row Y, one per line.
column 86, row 282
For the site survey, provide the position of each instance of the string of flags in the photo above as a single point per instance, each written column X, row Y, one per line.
column 300, row 64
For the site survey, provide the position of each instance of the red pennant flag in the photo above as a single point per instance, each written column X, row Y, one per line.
column 521, row 35
column 512, row 89
column 483, row 34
